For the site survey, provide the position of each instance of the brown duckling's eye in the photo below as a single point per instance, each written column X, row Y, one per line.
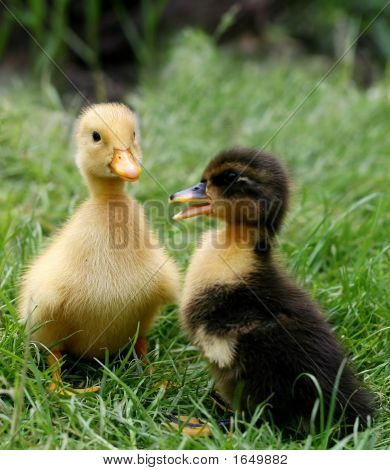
column 225, row 178
column 229, row 177
column 96, row 136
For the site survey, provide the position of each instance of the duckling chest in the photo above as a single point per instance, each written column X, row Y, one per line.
column 111, row 257
column 217, row 264
column 216, row 261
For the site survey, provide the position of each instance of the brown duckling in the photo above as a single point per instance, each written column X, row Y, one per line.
column 103, row 276
column 262, row 336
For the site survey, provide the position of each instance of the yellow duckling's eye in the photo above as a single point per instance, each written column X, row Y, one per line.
column 96, row 136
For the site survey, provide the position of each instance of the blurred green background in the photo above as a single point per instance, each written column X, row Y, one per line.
column 100, row 45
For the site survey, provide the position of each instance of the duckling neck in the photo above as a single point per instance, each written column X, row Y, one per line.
column 104, row 187
column 248, row 237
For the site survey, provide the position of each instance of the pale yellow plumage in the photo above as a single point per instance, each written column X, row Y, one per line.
column 88, row 290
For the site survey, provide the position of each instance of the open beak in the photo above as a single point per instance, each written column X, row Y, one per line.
column 125, row 165
column 196, row 193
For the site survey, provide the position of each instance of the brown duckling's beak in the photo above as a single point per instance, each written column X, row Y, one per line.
column 125, row 165
column 196, row 193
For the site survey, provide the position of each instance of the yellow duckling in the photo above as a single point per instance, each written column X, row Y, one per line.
column 103, row 275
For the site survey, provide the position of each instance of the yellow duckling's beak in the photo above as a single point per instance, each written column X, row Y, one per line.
column 196, row 193
column 125, row 165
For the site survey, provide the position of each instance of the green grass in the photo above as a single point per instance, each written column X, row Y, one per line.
column 334, row 242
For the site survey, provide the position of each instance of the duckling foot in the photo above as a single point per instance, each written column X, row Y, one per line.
column 195, row 427
column 61, row 390
column 190, row 426
column 141, row 347
column 57, row 385
column 93, row 389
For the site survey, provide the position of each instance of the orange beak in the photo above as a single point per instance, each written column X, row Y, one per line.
column 125, row 165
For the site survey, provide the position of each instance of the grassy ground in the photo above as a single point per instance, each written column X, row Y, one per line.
column 334, row 242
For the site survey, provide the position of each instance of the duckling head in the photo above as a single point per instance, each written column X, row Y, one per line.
column 107, row 139
column 241, row 186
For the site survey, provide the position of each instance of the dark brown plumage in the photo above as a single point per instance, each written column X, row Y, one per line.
column 262, row 336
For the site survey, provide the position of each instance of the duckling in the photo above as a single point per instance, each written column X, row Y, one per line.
column 103, row 276
column 264, row 339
